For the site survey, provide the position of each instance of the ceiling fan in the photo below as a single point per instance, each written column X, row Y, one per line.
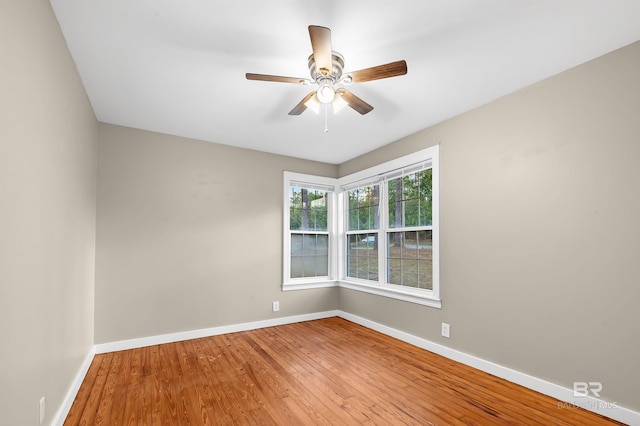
column 325, row 67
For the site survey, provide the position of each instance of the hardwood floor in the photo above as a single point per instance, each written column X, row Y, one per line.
column 329, row 372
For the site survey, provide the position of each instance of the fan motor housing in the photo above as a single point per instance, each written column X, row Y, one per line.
column 337, row 62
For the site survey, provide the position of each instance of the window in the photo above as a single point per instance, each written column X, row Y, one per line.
column 363, row 221
column 375, row 231
column 390, row 227
column 308, row 239
column 410, row 232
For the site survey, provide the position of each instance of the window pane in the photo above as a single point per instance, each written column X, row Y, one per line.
column 425, row 197
column 313, row 244
column 309, row 255
column 410, row 200
column 363, row 212
column 315, row 266
column 307, row 209
column 362, row 256
column 410, row 259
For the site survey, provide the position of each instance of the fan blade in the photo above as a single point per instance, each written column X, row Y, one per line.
column 321, row 45
column 301, row 107
column 355, row 102
column 276, row 78
column 392, row 69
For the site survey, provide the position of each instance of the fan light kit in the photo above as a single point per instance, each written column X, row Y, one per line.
column 325, row 67
column 326, row 93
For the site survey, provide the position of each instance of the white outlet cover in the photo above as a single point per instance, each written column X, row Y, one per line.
column 446, row 329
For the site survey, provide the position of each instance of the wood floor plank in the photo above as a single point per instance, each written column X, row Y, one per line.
column 121, row 397
column 231, row 377
column 323, row 372
column 167, row 375
column 104, row 409
column 203, row 392
column 95, row 395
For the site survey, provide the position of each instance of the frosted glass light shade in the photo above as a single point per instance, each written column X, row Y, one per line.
column 326, row 93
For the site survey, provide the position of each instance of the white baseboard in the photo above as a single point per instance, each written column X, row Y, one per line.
column 565, row 395
column 63, row 411
column 206, row 332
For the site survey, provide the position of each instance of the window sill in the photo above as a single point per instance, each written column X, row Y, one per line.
column 421, row 297
column 308, row 285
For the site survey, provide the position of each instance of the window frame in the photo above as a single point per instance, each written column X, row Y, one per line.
column 338, row 233
column 309, row 182
column 379, row 174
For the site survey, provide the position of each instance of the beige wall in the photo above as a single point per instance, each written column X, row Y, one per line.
column 189, row 236
column 48, row 139
column 540, row 227
column 540, row 230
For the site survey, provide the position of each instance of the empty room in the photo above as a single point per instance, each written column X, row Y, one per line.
column 292, row 213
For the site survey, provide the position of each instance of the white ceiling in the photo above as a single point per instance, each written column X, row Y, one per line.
column 178, row 66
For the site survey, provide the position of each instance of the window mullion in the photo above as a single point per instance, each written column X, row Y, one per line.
column 383, row 245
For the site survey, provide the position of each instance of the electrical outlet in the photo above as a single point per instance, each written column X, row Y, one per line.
column 276, row 306
column 446, row 330
column 41, row 409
